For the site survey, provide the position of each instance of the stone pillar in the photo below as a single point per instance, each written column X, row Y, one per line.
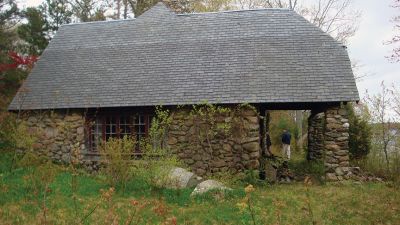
column 316, row 123
column 336, row 144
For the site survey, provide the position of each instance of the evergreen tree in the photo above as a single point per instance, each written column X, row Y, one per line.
column 359, row 135
column 10, row 79
column 88, row 10
column 8, row 13
column 34, row 32
column 56, row 13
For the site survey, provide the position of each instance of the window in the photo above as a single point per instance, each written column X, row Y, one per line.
column 103, row 127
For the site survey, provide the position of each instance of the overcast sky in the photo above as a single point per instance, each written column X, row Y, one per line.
column 366, row 47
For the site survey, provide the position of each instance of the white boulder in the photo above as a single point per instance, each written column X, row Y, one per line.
column 179, row 178
column 208, row 185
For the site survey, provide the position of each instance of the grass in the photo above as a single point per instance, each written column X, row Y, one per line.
column 333, row 203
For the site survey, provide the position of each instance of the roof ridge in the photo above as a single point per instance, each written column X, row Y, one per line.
column 100, row 21
column 235, row 10
column 183, row 14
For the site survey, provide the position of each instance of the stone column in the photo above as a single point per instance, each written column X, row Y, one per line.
column 336, row 144
column 316, row 123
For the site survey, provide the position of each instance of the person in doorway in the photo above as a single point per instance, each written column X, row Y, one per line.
column 268, row 144
column 286, row 144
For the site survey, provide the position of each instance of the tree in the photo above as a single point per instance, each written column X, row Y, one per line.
column 138, row 7
column 212, row 5
column 335, row 17
column 180, row 6
column 379, row 107
column 88, row 10
column 8, row 13
column 359, row 134
column 395, row 56
column 34, row 32
column 396, row 101
column 10, row 79
column 56, row 13
column 17, row 61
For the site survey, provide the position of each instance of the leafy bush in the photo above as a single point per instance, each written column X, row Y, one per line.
column 14, row 133
column 359, row 135
column 251, row 177
column 15, row 136
column 115, row 154
column 157, row 160
column 313, row 169
column 41, row 172
column 155, row 171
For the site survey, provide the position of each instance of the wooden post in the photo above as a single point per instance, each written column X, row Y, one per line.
column 262, row 121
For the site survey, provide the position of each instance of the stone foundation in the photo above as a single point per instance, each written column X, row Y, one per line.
column 316, row 124
column 224, row 153
column 336, row 139
column 61, row 134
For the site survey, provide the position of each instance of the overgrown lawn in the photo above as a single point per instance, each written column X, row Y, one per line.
column 340, row 203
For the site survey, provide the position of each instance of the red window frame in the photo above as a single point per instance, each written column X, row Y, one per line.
column 94, row 121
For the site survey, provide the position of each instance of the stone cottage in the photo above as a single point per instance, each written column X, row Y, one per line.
column 103, row 79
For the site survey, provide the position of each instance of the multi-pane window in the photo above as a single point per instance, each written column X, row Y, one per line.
column 140, row 127
column 95, row 133
column 111, row 127
column 103, row 127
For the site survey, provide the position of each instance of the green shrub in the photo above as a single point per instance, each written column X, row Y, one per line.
column 115, row 154
column 359, row 135
column 313, row 169
column 14, row 133
column 155, row 171
column 15, row 136
column 251, row 177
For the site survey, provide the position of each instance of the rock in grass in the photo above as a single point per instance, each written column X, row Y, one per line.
column 180, row 178
column 209, row 185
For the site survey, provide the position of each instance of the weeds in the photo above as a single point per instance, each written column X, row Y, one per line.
column 41, row 173
column 115, row 154
column 16, row 137
column 307, row 183
column 247, row 203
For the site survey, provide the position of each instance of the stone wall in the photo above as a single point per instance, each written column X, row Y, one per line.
column 316, row 125
column 336, row 140
column 60, row 134
column 234, row 152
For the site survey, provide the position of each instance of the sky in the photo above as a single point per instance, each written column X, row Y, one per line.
column 366, row 46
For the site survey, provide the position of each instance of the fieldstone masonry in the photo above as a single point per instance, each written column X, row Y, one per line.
column 336, row 141
column 227, row 154
column 61, row 135
column 316, row 124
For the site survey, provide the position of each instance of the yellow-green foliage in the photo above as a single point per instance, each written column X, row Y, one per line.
column 39, row 177
column 115, row 154
column 210, row 119
column 155, row 144
column 157, row 160
column 15, row 134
